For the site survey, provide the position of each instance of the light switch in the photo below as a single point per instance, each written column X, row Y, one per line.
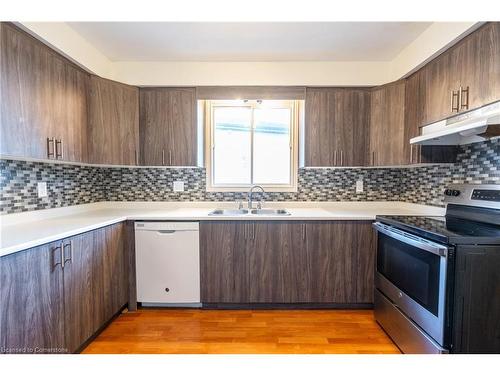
column 178, row 185
column 41, row 189
column 359, row 186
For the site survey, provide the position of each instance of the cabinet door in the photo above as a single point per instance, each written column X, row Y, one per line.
column 387, row 124
column 223, row 262
column 42, row 96
column 332, row 257
column 336, row 126
column 73, row 126
column 154, row 124
column 363, row 242
column 168, row 126
column 181, row 138
column 26, row 95
column 83, row 288
column 115, row 273
column 31, row 299
column 415, row 118
column 442, row 77
column 113, row 135
column 320, row 133
column 352, row 122
column 476, row 311
column 478, row 58
column 271, row 263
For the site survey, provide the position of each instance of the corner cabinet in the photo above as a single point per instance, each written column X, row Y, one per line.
column 336, row 127
column 43, row 99
column 168, row 128
column 286, row 262
column 113, row 134
column 58, row 295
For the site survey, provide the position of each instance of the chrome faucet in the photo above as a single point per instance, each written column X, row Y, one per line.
column 250, row 192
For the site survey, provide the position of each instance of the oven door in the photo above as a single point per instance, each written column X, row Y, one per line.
column 411, row 272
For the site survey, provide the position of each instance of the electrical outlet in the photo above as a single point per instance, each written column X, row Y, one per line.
column 178, row 185
column 41, row 189
column 359, row 186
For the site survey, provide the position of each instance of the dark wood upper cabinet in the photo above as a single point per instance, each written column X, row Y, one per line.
column 387, row 124
column 415, row 112
column 168, row 128
column 31, row 300
column 113, row 133
column 464, row 77
column 477, row 60
column 336, row 127
column 43, row 100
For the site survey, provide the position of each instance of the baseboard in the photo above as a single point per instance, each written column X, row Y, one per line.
column 287, row 306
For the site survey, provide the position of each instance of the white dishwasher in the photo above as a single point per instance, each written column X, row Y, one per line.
column 167, row 256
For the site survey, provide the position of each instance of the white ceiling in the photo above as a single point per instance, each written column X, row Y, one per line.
column 287, row 41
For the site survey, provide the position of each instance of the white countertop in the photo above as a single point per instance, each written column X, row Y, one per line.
column 28, row 229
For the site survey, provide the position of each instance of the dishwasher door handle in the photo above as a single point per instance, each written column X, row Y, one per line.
column 166, row 231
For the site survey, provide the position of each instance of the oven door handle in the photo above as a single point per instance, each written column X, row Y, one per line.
column 412, row 240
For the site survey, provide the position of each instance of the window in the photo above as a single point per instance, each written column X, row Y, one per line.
column 251, row 142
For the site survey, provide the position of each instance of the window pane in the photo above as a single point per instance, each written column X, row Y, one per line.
column 272, row 146
column 232, row 151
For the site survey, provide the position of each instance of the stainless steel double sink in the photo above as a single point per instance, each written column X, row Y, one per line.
column 242, row 212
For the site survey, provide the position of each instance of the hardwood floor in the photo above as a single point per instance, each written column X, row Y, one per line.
column 244, row 332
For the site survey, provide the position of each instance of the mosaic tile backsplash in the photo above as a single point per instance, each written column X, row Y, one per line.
column 70, row 185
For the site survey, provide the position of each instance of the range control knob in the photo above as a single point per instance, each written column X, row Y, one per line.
column 455, row 193
column 447, row 192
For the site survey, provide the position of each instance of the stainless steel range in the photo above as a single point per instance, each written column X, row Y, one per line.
column 438, row 278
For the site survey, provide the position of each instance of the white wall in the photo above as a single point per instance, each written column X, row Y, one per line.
column 252, row 73
column 434, row 40
column 356, row 73
column 68, row 42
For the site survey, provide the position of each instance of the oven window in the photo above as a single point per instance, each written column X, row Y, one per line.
column 412, row 270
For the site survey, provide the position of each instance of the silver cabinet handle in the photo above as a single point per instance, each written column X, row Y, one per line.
column 61, row 254
column 341, row 157
column 170, row 157
column 70, row 259
column 162, row 157
column 303, row 231
column 411, row 154
column 455, row 94
column 136, row 157
column 373, row 158
column 50, row 141
column 59, row 153
column 464, row 93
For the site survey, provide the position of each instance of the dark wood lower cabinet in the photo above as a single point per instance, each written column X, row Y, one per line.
column 46, row 306
column 32, row 301
column 287, row 262
column 82, row 286
column 476, row 322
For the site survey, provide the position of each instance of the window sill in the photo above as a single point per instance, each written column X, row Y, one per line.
column 238, row 189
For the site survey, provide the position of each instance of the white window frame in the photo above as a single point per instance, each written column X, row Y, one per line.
column 209, row 106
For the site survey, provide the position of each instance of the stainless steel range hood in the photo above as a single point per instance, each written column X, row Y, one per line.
column 474, row 126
